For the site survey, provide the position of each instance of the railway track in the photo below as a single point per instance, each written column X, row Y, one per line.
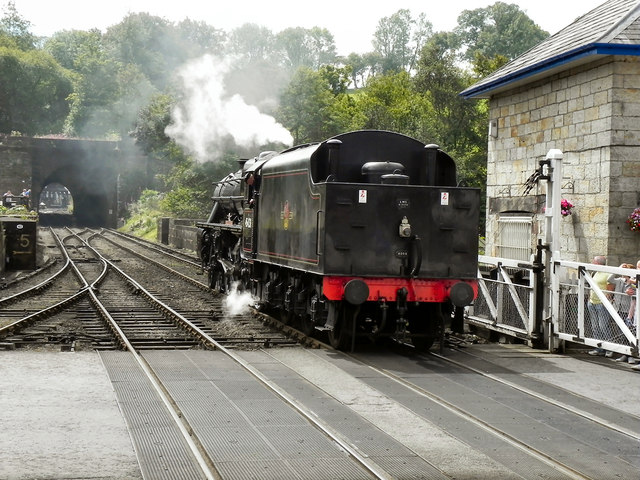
column 138, row 322
column 67, row 299
column 496, row 422
column 496, row 410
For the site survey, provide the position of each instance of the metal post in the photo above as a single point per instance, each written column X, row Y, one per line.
column 553, row 175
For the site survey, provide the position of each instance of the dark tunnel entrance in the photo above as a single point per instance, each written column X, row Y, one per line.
column 60, row 206
column 56, row 198
column 73, row 182
column 55, row 206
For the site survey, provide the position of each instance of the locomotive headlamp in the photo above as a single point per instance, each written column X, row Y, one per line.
column 405, row 228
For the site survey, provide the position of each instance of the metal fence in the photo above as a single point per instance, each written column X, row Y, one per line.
column 583, row 313
column 567, row 305
column 506, row 297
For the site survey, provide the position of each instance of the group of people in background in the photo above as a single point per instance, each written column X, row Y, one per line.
column 10, row 200
column 621, row 290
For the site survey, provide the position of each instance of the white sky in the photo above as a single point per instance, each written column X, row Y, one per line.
column 352, row 23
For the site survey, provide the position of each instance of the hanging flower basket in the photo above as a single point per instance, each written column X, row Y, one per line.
column 634, row 220
column 565, row 207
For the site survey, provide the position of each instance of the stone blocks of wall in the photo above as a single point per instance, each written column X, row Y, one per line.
column 592, row 114
column 178, row 233
column 16, row 171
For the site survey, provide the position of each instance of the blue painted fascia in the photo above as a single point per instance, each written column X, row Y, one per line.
column 564, row 58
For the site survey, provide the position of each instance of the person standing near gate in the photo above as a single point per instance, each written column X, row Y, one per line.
column 598, row 315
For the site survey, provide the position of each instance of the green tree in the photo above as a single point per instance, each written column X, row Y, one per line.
column 391, row 102
column 256, row 74
column 97, row 103
column 198, row 38
column 251, row 43
column 189, row 186
column 69, row 47
column 15, row 31
column 499, row 29
column 306, row 107
column 459, row 125
column 302, row 47
column 483, row 65
column 399, row 38
column 149, row 42
column 33, row 92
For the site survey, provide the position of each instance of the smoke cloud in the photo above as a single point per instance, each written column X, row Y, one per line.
column 207, row 114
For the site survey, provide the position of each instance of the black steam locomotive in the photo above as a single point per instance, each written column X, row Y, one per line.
column 364, row 234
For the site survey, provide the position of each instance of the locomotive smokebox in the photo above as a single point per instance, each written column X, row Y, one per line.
column 375, row 172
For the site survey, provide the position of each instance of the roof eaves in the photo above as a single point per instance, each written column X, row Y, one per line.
column 572, row 56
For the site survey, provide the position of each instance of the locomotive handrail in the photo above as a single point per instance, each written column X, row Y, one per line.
column 229, row 197
column 224, row 181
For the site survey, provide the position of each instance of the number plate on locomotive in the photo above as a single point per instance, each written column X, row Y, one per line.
column 402, row 203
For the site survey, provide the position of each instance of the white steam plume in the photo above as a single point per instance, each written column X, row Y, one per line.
column 207, row 114
column 236, row 302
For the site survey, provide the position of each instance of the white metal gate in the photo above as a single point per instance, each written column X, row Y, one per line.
column 573, row 320
column 548, row 300
column 506, row 297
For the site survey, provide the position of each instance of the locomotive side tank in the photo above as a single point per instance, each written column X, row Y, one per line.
column 365, row 234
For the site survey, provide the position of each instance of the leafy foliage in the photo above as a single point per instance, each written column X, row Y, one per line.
column 499, row 29
column 399, row 38
column 19, row 211
column 33, row 92
column 144, row 215
column 15, row 30
column 122, row 84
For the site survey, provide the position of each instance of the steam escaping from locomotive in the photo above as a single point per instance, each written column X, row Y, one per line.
column 207, row 115
column 238, row 302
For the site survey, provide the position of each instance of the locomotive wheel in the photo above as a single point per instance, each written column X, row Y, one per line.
column 217, row 281
column 422, row 343
column 340, row 337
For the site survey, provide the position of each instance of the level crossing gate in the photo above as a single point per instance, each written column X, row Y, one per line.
column 545, row 302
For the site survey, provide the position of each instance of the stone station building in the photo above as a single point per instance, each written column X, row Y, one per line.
column 579, row 92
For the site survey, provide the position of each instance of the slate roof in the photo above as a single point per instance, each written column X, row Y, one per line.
column 613, row 28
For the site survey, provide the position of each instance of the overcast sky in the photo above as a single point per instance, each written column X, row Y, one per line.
column 352, row 23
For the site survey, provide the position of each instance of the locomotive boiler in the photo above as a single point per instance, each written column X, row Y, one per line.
column 363, row 235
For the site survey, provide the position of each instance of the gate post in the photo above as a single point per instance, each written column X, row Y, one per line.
column 551, row 292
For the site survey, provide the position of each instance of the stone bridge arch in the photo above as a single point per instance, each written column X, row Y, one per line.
column 88, row 168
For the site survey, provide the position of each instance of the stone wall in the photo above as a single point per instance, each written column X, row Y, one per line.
column 16, row 169
column 178, row 232
column 591, row 114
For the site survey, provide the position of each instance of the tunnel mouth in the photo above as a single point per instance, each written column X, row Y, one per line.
column 55, row 206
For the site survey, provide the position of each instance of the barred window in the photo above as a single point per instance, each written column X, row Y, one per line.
column 514, row 237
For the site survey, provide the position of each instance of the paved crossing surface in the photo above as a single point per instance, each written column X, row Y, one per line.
column 85, row 415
